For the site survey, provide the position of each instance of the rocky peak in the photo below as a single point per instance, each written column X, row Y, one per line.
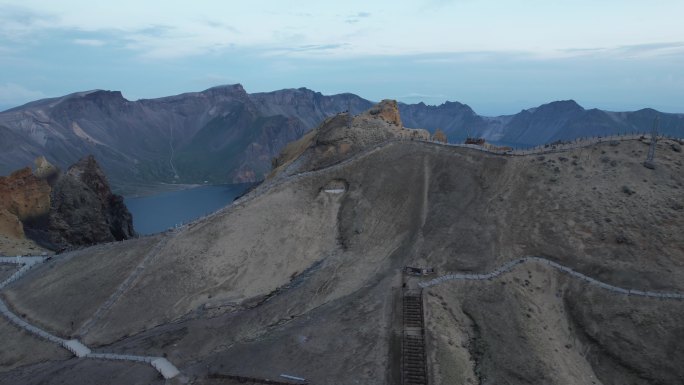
column 336, row 139
column 45, row 170
column 230, row 90
column 561, row 106
column 388, row 110
column 84, row 210
column 59, row 210
column 89, row 172
column 458, row 107
column 104, row 98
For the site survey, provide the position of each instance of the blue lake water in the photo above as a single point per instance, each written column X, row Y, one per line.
column 156, row 213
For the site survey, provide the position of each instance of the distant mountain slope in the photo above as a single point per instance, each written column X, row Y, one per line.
column 560, row 120
column 310, row 107
column 219, row 135
column 224, row 134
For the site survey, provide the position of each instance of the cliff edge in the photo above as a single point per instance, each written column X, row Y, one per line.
column 85, row 211
column 46, row 209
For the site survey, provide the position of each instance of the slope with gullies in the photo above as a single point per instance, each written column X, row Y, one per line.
column 303, row 275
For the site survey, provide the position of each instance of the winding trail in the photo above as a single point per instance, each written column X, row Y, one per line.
column 507, row 267
column 168, row 370
column 161, row 364
column 290, row 173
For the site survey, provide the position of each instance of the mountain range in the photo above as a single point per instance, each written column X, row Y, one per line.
column 226, row 135
column 367, row 260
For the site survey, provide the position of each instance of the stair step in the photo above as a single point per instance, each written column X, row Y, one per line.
column 413, row 345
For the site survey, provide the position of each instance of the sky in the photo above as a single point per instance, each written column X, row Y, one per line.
column 498, row 56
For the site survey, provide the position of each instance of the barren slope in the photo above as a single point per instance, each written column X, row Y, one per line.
column 295, row 279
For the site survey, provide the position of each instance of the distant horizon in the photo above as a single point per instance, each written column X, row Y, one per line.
column 410, row 100
column 499, row 57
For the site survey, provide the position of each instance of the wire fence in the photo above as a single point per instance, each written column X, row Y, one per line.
column 162, row 365
column 507, row 267
column 558, row 146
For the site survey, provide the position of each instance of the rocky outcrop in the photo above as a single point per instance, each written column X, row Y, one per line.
column 84, row 210
column 24, row 201
column 10, row 225
column 45, row 170
column 25, row 195
column 344, row 135
column 60, row 210
column 386, row 110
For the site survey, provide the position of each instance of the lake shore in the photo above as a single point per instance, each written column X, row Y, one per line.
column 144, row 190
column 177, row 204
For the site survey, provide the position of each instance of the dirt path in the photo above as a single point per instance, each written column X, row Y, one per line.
column 162, row 365
column 512, row 264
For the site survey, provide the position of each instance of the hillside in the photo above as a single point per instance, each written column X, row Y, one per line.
column 218, row 135
column 303, row 276
column 225, row 135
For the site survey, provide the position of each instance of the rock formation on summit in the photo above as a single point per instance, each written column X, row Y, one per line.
column 344, row 135
column 386, row 110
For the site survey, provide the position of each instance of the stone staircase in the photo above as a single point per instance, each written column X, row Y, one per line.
column 413, row 361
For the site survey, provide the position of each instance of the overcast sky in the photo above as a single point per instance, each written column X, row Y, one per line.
column 498, row 56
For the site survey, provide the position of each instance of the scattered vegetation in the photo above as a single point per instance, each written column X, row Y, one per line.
column 439, row 136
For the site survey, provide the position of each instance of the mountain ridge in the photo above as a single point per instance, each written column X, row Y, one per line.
column 226, row 135
column 307, row 273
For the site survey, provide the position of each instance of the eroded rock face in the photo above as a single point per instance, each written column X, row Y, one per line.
column 10, row 225
column 386, row 110
column 25, row 195
column 24, row 198
column 84, row 210
column 60, row 210
column 45, row 170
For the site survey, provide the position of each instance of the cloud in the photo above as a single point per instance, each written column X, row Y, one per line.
column 471, row 57
column 17, row 22
column 355, row 18
column 220, row 25
column 183, row 31
column 211, row 80
column 303, row 50
column 651, row 49
column 418, row 95
column 317, row 47
column 634, row 51
column 15, row 94
column 90, row 42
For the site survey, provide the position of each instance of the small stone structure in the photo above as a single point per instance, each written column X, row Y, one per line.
column 335, row 186
column 418, row 271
